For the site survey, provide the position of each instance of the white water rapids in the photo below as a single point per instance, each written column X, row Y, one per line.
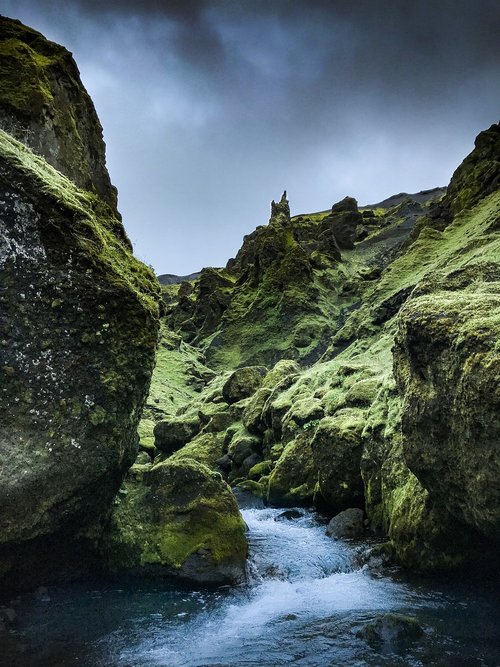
column 305, row 603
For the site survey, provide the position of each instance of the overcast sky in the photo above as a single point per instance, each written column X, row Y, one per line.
column 212, row 108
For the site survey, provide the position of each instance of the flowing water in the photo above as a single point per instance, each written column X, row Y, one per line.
column 306, row 600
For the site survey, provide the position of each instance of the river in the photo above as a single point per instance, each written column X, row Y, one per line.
column 307, row 600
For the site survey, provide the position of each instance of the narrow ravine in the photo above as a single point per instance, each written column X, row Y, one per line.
column 305, row 604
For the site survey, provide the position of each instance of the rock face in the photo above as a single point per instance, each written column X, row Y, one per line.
column 179, row 518
column 477, row 177
column 44, row 105
column 448, row 368
column 78, row 330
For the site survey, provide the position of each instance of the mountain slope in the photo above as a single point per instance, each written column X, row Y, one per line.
column 395, row 409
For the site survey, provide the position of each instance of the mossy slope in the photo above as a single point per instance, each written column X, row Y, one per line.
column 292, row 284
column 412, row 437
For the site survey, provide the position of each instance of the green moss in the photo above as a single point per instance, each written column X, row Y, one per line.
column 97, row 416
column 181, row 517
column 260, row 470
column 206, row 448
column 95, row 230
column 293, row 478
column 25, row 85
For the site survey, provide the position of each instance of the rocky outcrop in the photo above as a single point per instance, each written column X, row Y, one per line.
column 448, row 369
column 44, row 105
column 79, row 318
column 177, row 518
column 477, row 177
column 293, row 283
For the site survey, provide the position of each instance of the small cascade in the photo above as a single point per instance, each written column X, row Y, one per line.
column 307, row 603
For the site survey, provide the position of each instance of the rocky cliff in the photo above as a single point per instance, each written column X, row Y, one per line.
column 44, row 105
column 79, row 318
column 345, row 358
column 378, row 329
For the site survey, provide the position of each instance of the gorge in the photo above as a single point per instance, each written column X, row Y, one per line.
column 172, row 452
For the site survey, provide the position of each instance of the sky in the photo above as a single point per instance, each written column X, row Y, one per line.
column 211, row 108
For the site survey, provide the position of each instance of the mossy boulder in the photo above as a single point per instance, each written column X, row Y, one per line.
column 180, row 520
column 206, row 448
column 293, row 479
column 242, row 383
column 279, row 378
column 242, row 446
column 447, row 365
column 337, row 447
column 78, row 335
column 252, row 415
column 172, row 434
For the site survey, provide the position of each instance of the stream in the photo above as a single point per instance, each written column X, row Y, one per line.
column 306, row 601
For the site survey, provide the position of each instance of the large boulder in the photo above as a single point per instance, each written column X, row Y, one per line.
column 448, row 371
column 78, row 331
column 242, row 383
column 172, row 434
column 337, row 446
column 178, row 518
column 293, row 480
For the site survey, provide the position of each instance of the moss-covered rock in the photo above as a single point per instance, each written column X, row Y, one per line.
column 206, row 448
column 293, row 479
column 180, row 520
column 477, row 177
column 172, row 434
column 79, row 327
column 447, row 364
column 44, row 105
column 242, row 383
column 336, row 449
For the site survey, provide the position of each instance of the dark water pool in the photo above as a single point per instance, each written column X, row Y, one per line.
column 305, row 605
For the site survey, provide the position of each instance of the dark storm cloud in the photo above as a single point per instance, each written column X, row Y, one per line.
column 211, row 108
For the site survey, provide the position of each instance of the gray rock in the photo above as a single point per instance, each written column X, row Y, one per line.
column 391, row 631
column 348, row 523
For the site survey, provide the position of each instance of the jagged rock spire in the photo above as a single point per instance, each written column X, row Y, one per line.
column 282, row 207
